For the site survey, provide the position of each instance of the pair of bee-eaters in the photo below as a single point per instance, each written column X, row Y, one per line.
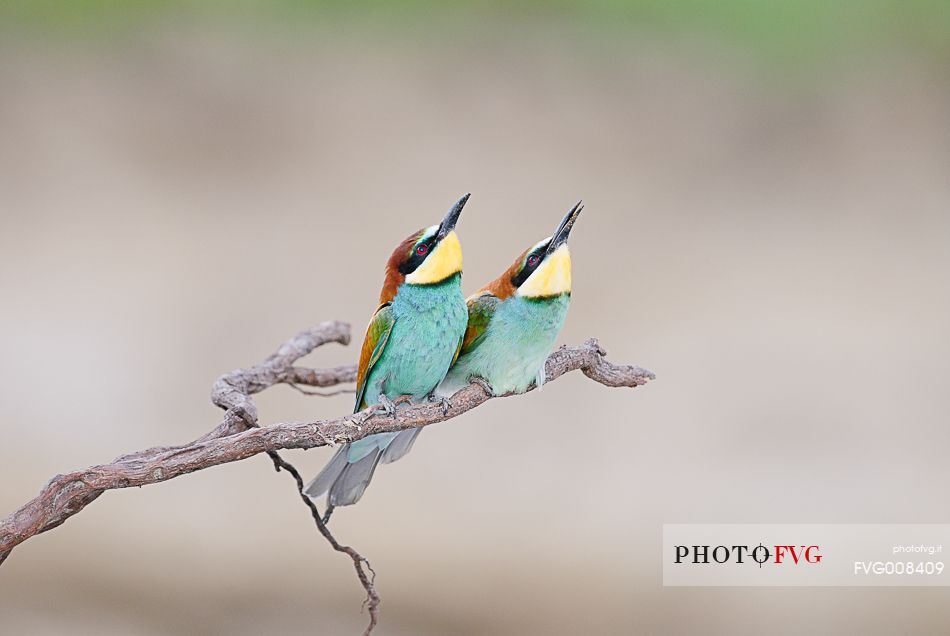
column 427, row 340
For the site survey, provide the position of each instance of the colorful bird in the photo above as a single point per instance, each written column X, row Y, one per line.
column 410, row 343
column 513, row 320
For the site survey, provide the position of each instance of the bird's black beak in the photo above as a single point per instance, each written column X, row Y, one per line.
column 564, row 229
column 452, row 217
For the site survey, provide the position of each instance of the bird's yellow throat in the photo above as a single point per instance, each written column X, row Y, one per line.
column 442, row 263
column 552, row 278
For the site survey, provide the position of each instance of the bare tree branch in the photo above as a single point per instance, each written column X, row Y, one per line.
column 319, row 393
column 238, row 436
column 65, row 495
column 360, row 563
column 232, row 392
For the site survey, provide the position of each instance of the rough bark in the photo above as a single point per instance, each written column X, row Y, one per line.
column 239, row 436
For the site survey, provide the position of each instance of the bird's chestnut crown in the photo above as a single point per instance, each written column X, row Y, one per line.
column 545, row 269
column 431, row 259
column 426, row 257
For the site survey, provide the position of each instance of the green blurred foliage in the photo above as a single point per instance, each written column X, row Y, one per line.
column 775, row 29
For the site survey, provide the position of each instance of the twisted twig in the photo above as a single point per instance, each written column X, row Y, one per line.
column 238, row 436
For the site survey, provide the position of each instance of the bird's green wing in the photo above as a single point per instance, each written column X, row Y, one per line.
column 458, row 350
column 377, row 334
column 481, row 308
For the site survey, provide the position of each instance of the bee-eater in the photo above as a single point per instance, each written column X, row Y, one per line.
column 513, row 320
column 413, row 338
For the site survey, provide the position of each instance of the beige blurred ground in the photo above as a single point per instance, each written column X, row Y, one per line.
column 176, row 204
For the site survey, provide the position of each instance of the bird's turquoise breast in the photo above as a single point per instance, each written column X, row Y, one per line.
column 429, row 322
column 517, row 341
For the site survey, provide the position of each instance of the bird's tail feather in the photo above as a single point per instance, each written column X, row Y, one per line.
column 400, row 445
column 353, row 480
column 346, row 481
column 322, row 482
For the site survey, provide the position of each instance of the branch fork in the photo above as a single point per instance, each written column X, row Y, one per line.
column 239, row 435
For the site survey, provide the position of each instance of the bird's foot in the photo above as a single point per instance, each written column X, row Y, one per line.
column 442, row 401
column 388, row 406
column 482, row 382
column 358, row 419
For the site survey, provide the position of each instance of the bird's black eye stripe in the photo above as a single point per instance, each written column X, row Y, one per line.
column 415, row 258
column 531, row 262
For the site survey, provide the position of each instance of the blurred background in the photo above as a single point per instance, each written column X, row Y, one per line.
column 185, row 185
